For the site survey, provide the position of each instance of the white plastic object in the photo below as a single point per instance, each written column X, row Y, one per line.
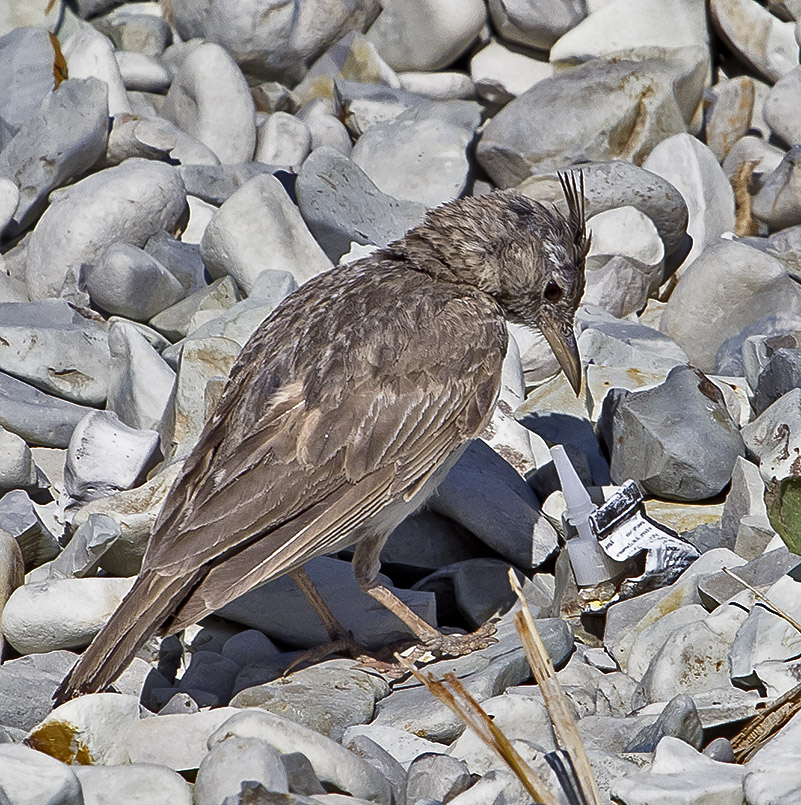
column 590, row 564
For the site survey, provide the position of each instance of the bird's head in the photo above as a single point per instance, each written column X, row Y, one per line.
column 526, row 256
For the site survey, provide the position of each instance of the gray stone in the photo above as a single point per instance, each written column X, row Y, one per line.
column 142, row 383
column 425, row 34
column 40, row 418
column 728, row 287
column 236, row 759
column 129, row 282
column 758, row 38
column 626, row 620
column 211, row 673
column 27, row 685
column 782, row 374
column 300, row 774
column 148, row 34
column 679, row 719
column 181, row 259
column 209, row 98
column 694, row 659
column 19, row 518
column 501, row 74
column 746, row 498
column 693, row 169
column 751, row 149
column 258, row 229
column 127, row 203
column 249, row 646
column 778, row 202
column 26, row 62
column 341, row 205
column 774, row 437
column 427, row 541
column 63, row 139
column 327, row 697
column 17, row 470
column 28, row 777
column 732, row 114
column 132, row 784
column 485, row 494
column 328, row 131
column 537, row 131
column 82, row 554
column 332, row 763
column 681, row 775
column 271, row 96
column 436, row 777
column 720, row 749
column 747, row 353
column 613, row 184
column 283, row 140
column 611, row 733
column 379, row 758
column 781, row 110
column 90, row 54
column 281, row 611
column 276, row 45
column 440, row 86
column 401, row 745
column 623, row 26
column 536, row 25
column 209, row 301
column 60, row 613
column 135, row 512
column 431, row 145
column 677, row 439
column 105, row 456
column 612, row 342
column 771, row 775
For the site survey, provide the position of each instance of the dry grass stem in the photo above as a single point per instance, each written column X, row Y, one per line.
column 765, row 600
column 473, row 715
column 564, row 726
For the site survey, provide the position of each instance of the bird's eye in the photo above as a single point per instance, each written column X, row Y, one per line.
column 552, row 292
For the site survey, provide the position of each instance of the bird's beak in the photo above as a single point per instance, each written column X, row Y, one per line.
column 566, row 351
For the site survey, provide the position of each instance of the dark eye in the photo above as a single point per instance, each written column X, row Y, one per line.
column 552, row 292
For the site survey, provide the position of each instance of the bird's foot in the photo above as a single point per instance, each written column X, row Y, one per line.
column 457, row 645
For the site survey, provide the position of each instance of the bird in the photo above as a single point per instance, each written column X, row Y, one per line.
column 345, row 409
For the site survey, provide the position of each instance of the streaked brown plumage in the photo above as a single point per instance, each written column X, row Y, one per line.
column 346, row 407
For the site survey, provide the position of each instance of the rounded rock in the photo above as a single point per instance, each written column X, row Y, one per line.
column 209, row 98
column 129, row 203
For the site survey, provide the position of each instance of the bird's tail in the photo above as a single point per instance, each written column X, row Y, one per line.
column 148, row 604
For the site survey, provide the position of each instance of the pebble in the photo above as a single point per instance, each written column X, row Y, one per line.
column 693, row 169
column 702, row 297
column 500, row 74
column 104, row 456
column 693, row 457
column 19, row 517
column 332, row 763
column 363, row 214
column 64, row 138
column 209, row 98
column 132, row 784
column 28, row 777
column 426, row 34
column 127, row 281
column 538, row 131
column 536, row 25
column 774, row 437
column 283, row 139
column 17, row 470
column 431, row 141
column 60, row 613
column 778, row 202
column 85, row 218
column 258, row 229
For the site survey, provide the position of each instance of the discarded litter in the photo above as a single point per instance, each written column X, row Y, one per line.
column 609, row 538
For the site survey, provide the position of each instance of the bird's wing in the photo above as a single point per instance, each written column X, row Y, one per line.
column 284, row 471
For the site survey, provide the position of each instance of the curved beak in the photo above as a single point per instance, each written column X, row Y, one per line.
column 566, row 351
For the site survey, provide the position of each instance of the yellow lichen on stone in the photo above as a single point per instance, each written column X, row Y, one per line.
column 60, row 740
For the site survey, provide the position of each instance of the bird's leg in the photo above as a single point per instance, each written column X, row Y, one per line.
column 342, row 640
column 365, row 567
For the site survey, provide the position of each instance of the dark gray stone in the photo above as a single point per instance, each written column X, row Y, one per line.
column 181, row 259
column 782, row 330
column 436, row 777
column 378, row 757
column 39, row 418
column 217, row 183
column 341, row 205
column 27, row 686
column 677, row 440
column 18, row 516
column 782, row 374
column 679, row 719
column 211, row 673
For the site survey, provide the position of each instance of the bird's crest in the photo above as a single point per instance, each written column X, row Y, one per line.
column 572, row 183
